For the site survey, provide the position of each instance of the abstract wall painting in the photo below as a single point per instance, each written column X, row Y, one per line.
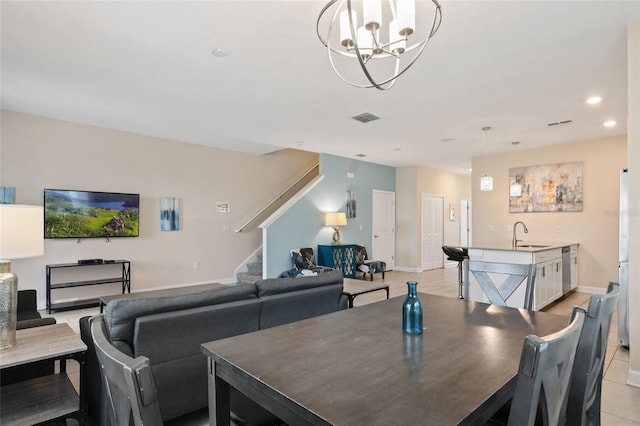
column 7, row 195
column 351, row 204
column 169, row 214
column 546, row 188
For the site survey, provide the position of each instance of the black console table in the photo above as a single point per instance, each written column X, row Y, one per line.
column 341, row 257
column 124, row 278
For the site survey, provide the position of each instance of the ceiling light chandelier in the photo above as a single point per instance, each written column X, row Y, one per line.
column 486, row 182
column 384, row 40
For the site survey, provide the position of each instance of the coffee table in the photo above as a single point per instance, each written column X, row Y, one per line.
column 353, row 288
column 356, row 366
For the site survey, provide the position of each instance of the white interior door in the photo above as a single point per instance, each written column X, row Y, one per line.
column 432, row 231
column 384, row 227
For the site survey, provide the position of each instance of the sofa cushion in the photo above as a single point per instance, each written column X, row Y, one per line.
column 273, row 286
column 120, row 314
column 285, row 308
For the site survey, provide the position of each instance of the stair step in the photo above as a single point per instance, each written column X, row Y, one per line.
column 255, row 268
column 247, row 278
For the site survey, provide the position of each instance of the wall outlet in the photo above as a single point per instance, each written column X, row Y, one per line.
column 508, row 228
column 196, row 265
column 491, row 228
column 360, row 227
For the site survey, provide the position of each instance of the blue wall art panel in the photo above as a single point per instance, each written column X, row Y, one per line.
column 169, row 214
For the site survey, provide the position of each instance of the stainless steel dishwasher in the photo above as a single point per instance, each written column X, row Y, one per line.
column 566, row 269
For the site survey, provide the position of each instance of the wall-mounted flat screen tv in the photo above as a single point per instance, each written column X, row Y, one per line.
column 90, row 214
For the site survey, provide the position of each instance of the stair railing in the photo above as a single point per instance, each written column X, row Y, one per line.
column 279, row 197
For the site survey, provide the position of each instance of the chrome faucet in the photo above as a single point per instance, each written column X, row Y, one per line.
column 514, row 243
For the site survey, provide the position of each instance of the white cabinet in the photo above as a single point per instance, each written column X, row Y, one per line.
column 548, row 282
column 574, row 266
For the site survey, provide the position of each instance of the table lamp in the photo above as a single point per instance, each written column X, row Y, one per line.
column 335, row 220
column 21, row 235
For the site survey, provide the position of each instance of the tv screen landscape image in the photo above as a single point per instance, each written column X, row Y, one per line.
column 90, row 214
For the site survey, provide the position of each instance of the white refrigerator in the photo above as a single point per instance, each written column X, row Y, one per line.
column 623, row 261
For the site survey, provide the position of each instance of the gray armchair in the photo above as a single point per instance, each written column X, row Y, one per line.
column 304, row 258
column 368, row 266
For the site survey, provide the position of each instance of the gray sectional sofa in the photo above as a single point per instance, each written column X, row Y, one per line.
column 170, row 329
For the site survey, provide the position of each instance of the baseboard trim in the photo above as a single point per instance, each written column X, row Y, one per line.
column 405, row 269
column 634, row 378
column 592, row 290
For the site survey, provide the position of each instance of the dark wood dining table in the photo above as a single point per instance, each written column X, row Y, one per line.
column 357, row 367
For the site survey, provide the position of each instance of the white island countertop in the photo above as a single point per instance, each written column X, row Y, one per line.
column 523, row 246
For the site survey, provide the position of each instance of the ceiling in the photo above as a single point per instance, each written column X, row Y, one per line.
column 146, row 67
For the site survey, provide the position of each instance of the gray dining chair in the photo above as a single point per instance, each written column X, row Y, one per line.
column 129, row 386
column 544, row 376
column 499, row 281
column 586, row 380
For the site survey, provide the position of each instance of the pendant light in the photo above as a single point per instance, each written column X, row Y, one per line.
column 515, row 189
column 486, row 181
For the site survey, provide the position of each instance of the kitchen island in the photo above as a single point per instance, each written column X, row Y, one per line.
column 556, row 269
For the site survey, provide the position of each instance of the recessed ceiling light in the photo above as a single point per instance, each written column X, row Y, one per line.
column 609, row 123
column 219, row 53
column 594, row 100
column 447, row 140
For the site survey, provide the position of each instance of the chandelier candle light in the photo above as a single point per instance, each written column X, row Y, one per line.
column 486, row 182
column 335, row 220
column 21, row 235
column 382, row 35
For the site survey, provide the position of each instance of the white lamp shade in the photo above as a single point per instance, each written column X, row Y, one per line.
column 335, row 219
column 346, row 38
column 21, row 231
column 486, row 183
column 372, row 12
column 406, row 17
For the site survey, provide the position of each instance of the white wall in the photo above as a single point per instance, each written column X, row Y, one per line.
column 38, row 153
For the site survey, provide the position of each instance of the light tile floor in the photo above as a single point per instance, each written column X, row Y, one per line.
column 620, row 402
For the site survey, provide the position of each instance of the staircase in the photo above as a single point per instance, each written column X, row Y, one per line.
column 253, row 272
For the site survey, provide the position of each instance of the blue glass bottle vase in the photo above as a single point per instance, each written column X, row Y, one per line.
column 412, row 311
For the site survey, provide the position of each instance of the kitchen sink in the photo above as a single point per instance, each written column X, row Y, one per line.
column 532, row 246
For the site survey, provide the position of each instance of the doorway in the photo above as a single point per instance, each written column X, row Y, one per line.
column 432, row 213
column 384, row 227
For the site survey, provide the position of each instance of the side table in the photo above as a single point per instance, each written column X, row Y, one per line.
column 48, row 397
column 341, row 257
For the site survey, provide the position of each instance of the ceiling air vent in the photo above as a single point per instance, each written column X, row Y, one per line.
column 559, row 123
column 365, row 117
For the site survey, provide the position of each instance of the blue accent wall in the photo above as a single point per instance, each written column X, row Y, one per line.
column 303, row 224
